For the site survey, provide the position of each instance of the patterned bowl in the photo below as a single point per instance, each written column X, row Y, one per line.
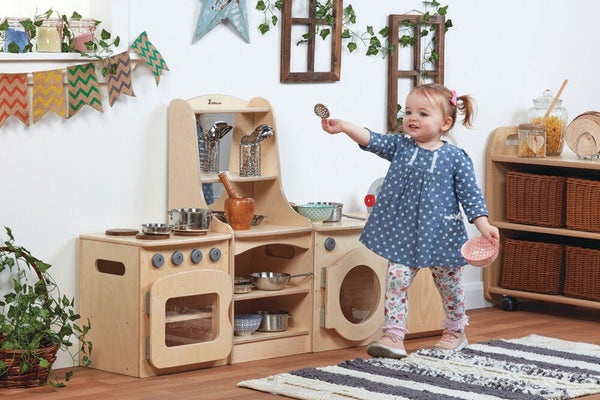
column 315, row 211
column 479, row 252
column 245, row 324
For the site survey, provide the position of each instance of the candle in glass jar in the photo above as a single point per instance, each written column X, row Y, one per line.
column 83, row 31
column 49, row 36
column 79, row 41
column 15, row 34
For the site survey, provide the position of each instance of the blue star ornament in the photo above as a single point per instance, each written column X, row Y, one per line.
column 216, row 11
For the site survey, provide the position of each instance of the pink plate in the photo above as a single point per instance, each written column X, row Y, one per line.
column 479, row 252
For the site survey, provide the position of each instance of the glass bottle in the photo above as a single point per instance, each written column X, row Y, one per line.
column 83, row 30
column 556, row 122
column 532, row 140
column 49, row 36
column 15, row 33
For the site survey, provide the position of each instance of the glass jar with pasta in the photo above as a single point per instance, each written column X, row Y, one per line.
column 556, row 121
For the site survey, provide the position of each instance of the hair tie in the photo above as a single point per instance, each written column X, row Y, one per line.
column 454, row 98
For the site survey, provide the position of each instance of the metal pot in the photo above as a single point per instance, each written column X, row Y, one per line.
column 190, row 218
column 272, row 280
column 274, row 321
column 336, row 213
column 156, row 229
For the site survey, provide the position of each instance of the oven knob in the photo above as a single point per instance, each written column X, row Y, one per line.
column 177, row 258
column 158, row 260
column 329, row 244
column 214, row 254
column 196, row 256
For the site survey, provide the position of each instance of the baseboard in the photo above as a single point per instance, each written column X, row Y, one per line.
column 474, row 296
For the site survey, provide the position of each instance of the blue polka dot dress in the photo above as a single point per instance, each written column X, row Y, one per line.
column 417, row 220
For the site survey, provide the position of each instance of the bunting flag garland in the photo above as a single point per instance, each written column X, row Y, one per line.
column 13, row 97
column 48, row 94
column 146, row 50
column 119, row 82
column 83, row 88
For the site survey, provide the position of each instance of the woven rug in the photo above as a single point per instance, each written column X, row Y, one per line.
column 532, row 367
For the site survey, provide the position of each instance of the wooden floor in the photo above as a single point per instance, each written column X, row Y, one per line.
column 559, row 321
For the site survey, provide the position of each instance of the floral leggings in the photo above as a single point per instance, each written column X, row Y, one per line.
column 448, row 282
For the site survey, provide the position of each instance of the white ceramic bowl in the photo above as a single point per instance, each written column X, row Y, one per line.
column 245, row 324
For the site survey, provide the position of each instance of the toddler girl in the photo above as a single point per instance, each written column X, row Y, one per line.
column 417, row 222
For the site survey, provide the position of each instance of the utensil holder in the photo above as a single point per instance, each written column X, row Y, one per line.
column 250, row 159
column 209, row 151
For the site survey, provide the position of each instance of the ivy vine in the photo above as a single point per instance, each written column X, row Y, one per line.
column 376, row 42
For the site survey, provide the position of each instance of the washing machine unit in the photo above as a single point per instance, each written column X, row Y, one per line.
column 349, row 290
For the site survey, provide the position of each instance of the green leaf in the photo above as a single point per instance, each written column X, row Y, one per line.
column 448, row 24
column 44, row 363
column 372, row 50
column 4, row 25
column 324, row 33
column 351, row 46
column 274, row 20
column 279, row 4
column 13, row 48
column 442, row 10
column 76, row 15
column 263, row 28
column 426, row 16
column 105, row 35
column 370, row 30
column 117, row 41
column 385, row 32
column 260, row 5
column 346, row 34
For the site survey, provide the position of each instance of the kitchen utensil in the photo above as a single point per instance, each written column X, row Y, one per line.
column 354, row 217
column 315, row 212
column 256, row 220
column 272, row 280
column 190, row 218
column 245, row 324
column 336, row 212
column 242, row 288
column 274, row 321
column 583, row 134
column 562, row 87
column 479, row 251
column 321, row 110
column 121, row 232
column 221, row 129
column 239, row 210
column 156, row 229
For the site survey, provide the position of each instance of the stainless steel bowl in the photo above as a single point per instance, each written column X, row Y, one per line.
column 274, row 321
column 190, row 218
column 156, row 229
column 272, row 280
column 256, row 220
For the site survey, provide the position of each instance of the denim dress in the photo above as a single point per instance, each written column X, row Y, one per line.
column 417, row 218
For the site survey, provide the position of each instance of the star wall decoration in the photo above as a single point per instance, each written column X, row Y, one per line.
column 216, row 11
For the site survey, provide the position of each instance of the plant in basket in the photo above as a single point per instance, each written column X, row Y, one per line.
column 35, row 321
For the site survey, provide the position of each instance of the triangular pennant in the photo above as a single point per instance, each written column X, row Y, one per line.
column 83, row 88
column 150, row 55
column 119, row 82
column 48, row 94
column 13, row 97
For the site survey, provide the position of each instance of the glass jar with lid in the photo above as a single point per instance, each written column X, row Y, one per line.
column 49, row 36
column 82, row 30
column 555, row 123
column 16, row 38
column 532, row 140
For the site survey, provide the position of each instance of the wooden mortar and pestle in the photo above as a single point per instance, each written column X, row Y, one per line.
column 238, row 210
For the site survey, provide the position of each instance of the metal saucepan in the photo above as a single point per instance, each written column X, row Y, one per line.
column 274, row 321
column 190, row 218
column 156, row 229
column 272, row 280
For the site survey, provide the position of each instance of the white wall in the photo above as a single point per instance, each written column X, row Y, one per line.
column 61, row 178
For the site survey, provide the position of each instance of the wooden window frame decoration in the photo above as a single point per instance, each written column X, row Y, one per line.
column 310, row 76
column 417, row 74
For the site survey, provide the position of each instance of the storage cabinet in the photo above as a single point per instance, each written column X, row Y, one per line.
column 281, row 243
column 502, row 159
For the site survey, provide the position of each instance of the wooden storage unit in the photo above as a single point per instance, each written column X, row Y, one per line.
column 281, row 243
column 501, row 157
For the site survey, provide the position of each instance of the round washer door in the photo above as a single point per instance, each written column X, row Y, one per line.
column 354, row 294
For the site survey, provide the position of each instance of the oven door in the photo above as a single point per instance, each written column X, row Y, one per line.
column 355, row 293
column 189, row 318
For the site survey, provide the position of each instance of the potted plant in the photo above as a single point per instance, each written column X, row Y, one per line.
column 35, row 321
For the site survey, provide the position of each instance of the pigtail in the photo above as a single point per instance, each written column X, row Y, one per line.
column 466, row 106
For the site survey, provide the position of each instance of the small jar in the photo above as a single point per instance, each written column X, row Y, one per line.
column 83, row 30
column 556, row 122
column 532, row 140
column 49, row 36
column 15, row 33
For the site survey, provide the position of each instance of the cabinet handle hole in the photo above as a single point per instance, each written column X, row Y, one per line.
column 110, row 267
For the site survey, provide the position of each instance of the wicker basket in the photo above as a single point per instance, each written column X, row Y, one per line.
column 582, row 273
column 533, row 266
column 11, row 376
column 583, row 204
column 535, row 199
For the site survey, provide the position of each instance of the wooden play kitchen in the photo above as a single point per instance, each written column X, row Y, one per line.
column 548, row 213
column 168, row 305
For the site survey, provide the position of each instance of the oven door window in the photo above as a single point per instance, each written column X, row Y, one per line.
column 190, row 319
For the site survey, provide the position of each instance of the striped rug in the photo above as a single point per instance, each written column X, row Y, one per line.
column 529, row 368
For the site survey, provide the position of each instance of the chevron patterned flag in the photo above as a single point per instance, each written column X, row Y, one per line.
column 120, row 82
column 13, row 97
column 83, row 88
column 150, row 55
column 48, row 94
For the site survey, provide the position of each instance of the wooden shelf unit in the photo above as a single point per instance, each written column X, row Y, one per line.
column 501, row 157
column 281, row 243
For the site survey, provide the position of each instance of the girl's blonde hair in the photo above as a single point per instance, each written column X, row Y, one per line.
column 449, row 102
